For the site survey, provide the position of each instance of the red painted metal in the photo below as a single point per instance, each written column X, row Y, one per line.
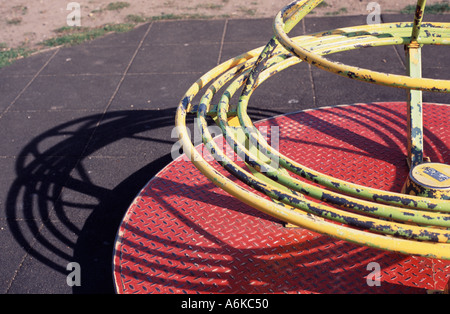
column 182, row 234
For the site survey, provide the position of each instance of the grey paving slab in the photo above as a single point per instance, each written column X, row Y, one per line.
column 7, row 167
column 133, row 133
column 185, row 32
column 67, row 92
column 234, row 49
column 319, row 24
column 10, row 88
column 125, row 39
column 373, row 58
column 332, row 90
column 44, row 270
column 37, row 278
column 43, row 132
column 27, row 66
column 90, row 59
column 152, row 91
column 13, row 253
column 8, row 175
column 238, row 30
column 435, row 58
column 92, row 184
column 287, row 91
column 176, row 58
column 335, row 90
column 440, row 74
column 32, row 193
column 98, row 171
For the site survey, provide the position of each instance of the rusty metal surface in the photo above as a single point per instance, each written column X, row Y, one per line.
column 185, row 235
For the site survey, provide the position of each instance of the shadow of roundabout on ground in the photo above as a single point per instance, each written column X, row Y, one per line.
column 59, row 214
column 57, row 230
column 55, row 209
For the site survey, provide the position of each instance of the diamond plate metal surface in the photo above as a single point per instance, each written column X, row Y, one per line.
column 182, row 234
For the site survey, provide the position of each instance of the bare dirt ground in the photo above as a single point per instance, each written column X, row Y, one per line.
column 26, row 23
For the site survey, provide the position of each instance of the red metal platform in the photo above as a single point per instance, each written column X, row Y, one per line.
column 182, row 234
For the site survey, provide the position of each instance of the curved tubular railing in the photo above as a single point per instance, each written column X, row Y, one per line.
column 400, row 81
column 392, row 221
column 330, row 182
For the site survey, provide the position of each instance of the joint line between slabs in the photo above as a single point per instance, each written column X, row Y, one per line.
column 29, row 83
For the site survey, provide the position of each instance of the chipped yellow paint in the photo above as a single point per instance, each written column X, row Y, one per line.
column 250, row 70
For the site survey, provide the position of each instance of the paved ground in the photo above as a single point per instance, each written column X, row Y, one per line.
column 84, row 128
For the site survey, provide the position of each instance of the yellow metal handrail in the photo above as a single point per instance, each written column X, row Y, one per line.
column 430, row 237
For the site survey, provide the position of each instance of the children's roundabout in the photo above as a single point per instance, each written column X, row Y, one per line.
column 349, row 198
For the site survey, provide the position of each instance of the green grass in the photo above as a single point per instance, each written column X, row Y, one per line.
column 164, row 16
column 134, row 18
column 14, row 21
column 322, row 5
column 340, row 11
column 69, row 29
column 8, row 56
column 437, row 8
column 180, row 17
column 247, row 11
column 66, row 36
column 21, row 9
column 210, row 6
column 117, row 5
column 69, row 36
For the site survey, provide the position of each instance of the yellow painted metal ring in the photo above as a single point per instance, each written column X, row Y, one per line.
column 279, row 210
column 391, row 212
column 285, row 212
column 399, row 81
column 385, row 197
